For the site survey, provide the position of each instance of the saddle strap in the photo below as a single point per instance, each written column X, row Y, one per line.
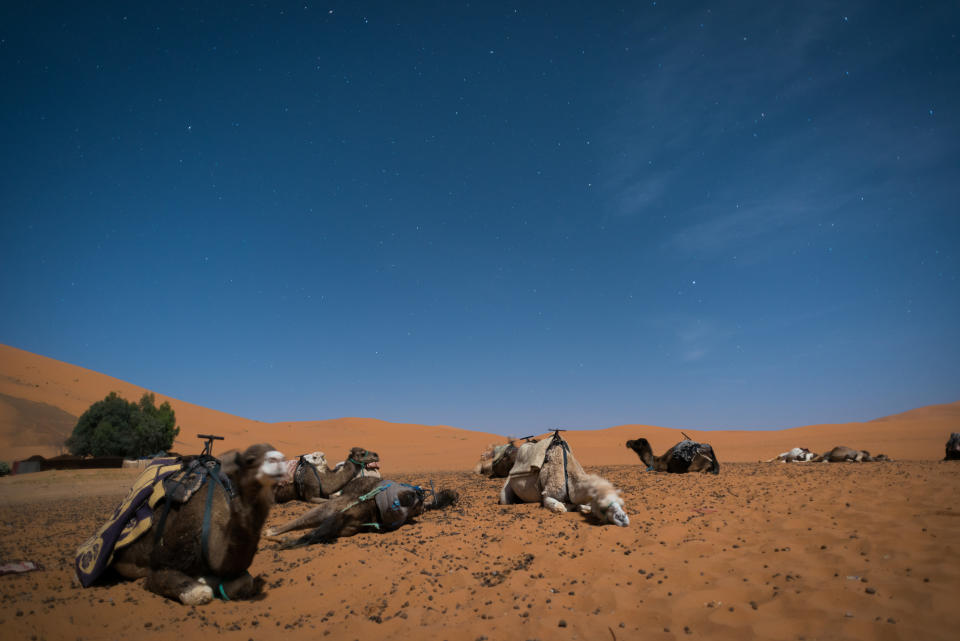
column 208, row 510
column 298, row 483
column 213, row 473
column 369, row 495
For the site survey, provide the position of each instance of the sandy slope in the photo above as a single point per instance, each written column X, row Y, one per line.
column 769, row 551
column 34, row 384
column 38, row 396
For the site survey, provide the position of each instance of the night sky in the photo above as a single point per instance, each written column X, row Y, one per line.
column 507, row 217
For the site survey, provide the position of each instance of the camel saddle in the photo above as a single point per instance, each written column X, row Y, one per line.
column 530, row 457
column 392, row 513
column 169, row 480
column 130, row 520
column 686, row 450
column 296, row 468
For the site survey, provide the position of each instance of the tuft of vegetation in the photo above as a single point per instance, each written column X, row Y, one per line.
column 4, row 468
column 117, row 427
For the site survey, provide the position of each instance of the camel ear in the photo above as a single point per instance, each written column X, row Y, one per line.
column 230, row 462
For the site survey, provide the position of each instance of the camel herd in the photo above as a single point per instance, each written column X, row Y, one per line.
column 839, row 454
column 192, row 526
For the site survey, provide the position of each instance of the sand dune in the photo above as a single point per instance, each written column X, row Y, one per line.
column 40, row 399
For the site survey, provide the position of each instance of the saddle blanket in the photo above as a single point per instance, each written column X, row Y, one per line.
column 318, row 459
column 686, row 450
column 132, row 518
column 169, row 479
column 530, row 457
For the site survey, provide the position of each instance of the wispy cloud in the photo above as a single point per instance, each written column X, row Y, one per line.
column 696, row 339
column 756, row 108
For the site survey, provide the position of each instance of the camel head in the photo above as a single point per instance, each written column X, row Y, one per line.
column 262, row 461
column 364, row 458
column 319, row 459
column 605, row 502
column 610, row 509
column 642, row 448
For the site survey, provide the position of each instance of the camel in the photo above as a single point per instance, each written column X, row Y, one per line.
column 202, row 548
column 496, row 460
column 841, row 454
column 685, row 456
column 558, row 482
column 796, row 455
column 315, row 483
column 953, row 448
column 366, row 504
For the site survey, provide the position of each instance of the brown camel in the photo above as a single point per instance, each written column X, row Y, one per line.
column 315, row 484
column 953, row 447
column 202, row 548
column 841, row 454
column 496, row 461
column 685, row 456
column 366, row 504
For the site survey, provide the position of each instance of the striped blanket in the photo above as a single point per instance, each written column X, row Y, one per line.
column 132, row 518
column 171, row 480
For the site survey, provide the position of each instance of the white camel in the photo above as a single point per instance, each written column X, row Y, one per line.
column 547, row 473
column 796, row 455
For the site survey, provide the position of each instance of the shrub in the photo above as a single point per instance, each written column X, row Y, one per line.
column 4, row 468
column 117, row 427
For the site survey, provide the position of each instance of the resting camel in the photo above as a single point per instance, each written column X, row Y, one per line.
column 558, row 482
column 366, row 504
column 202, row 548
column 315, row 483
column 841, row 454
column 496, row 460
column 796, row 455
column 685, row 456
column 953, row 448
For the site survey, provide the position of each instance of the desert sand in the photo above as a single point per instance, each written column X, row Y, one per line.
column 774, row 551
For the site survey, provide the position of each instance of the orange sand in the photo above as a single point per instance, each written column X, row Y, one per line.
column 772, row 551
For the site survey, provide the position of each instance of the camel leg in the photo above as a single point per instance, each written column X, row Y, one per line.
column 700, row 463
column 339, row 524
column 554, row 505
column 311, row 518
column 507, row 495
column 318, row 500
column 241, row 587
column 174, row 584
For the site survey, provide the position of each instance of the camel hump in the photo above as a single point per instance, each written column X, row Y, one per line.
column 530, row 457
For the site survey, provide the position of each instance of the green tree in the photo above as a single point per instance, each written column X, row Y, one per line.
column 117, row 427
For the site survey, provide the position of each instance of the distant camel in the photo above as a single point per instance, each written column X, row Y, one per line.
column 953, row 448
column 555, row 479
column 685, row 456
column 842, row 454
column 796, row 455
column 202, row 548
column 366, row 504
column 312, row 482
column 496, row 460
